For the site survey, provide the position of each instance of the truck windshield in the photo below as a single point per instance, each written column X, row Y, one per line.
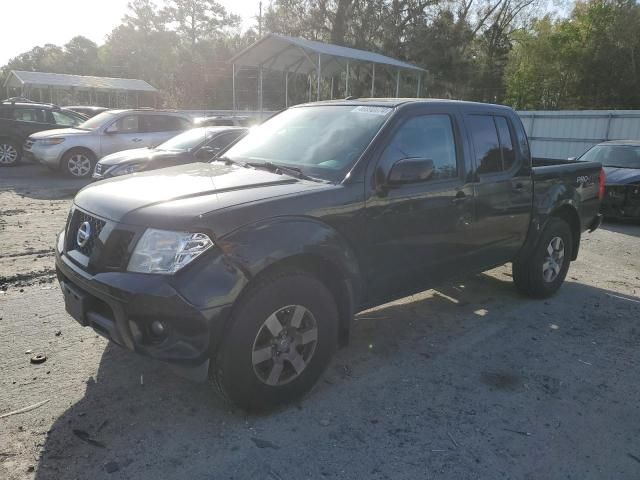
column 621, row 156
column 321, row 141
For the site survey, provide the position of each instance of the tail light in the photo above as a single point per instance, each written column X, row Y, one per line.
column 601, row 180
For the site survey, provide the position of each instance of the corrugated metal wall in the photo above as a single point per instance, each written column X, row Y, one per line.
column 566, row 134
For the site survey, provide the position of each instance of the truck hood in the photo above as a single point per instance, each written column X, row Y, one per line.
column 621, row 176
column 178, row 195
column 59, row 132
column 139, row 155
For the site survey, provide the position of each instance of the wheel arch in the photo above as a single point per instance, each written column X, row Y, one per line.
column 303, row 244
column 569, row 214
column 76, row 149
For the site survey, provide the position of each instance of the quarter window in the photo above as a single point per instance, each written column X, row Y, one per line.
column 426, row 136
column 63, row 119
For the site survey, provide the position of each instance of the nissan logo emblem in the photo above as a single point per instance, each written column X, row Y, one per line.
column 83, row 235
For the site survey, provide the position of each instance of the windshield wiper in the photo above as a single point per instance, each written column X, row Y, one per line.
column 229, row 161
column 274, row 167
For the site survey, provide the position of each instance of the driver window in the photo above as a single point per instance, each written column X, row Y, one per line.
column 425, row 136
column 128, row 124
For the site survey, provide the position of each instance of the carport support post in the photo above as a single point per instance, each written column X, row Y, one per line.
column 319, row 73
column 260, row 90
column 286, row 89
column 346, row 88
column 332, row 88
column 419, row 85
column 373, row 78
column 233, row 87
column 397, row 83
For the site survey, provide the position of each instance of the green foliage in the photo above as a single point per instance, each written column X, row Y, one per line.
column 505, row 51
column 589, row 60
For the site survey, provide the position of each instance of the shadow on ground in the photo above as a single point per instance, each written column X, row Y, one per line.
column 627, row 227
column 470, row 381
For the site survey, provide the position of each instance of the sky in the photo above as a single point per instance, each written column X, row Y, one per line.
column 58, row 21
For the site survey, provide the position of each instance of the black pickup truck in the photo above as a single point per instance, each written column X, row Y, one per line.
column 248, row 270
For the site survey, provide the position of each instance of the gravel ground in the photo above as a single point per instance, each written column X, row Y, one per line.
column 467, row 381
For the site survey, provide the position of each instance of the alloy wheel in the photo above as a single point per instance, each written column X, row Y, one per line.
column 553, row 260
column 8, row 154
column 79, row 165
column 284, row 345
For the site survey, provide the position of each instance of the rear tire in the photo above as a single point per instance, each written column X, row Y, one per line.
column 10, row 153
column 541, row 274
column 282, row 335
column 78, row 163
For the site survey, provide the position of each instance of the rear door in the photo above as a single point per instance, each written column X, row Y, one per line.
column 417, row 232
column 125, row 133
column 503, row 188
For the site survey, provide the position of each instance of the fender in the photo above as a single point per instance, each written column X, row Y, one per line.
column 255, row 247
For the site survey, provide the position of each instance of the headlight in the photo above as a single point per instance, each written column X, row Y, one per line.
column 51, row 141
column 166, row 252
column 126, row 169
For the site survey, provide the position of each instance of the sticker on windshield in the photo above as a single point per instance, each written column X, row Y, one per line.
column 372, row 110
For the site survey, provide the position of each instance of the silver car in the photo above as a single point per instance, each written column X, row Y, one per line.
column 75, row 151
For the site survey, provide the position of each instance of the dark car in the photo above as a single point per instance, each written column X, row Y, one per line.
column 18, row 120
column 87, row 111
column 249, row 269
column 197, row 144
column 621, row 162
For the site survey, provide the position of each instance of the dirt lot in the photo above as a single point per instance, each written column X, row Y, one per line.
column 469, row 381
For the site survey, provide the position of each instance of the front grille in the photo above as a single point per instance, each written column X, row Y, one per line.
column 117, row 253
column 96, row 225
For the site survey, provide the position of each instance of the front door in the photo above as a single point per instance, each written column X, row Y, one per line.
column 124, row 134
column 417, row 232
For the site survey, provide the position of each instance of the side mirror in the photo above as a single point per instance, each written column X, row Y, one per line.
column 410, row 170
column 111, row 129
column 572, row 159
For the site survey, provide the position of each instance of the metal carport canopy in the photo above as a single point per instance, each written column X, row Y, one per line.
column 20, row 78
column 288, row 54
column 301, row 56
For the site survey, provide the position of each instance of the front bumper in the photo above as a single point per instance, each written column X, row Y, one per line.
column 46, row 155
column 121, row 306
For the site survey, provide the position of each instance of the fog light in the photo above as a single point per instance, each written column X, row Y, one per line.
column 157, row 328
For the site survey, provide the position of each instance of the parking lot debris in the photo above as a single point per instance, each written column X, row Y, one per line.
column 85, row 437
column 453, row 440
column 264, row 443
column 111, row 467
column 519, row 432
column 38, row 358
column 25, row 409
column 58, row 333
column 631, row 455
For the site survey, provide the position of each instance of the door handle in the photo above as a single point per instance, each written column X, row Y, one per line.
column 460, row 197
column 518, row 187
column 136, row 139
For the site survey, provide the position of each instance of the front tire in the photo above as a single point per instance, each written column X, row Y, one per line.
column 541, row 274
column 283, row 333
column 78, row 163
column 10, row 153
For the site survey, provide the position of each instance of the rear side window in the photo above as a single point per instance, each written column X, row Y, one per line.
column 506, row 144
column 165, row 123
column 64, row 119
column 492, row 143
column 425, row 136
column 30, row 115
